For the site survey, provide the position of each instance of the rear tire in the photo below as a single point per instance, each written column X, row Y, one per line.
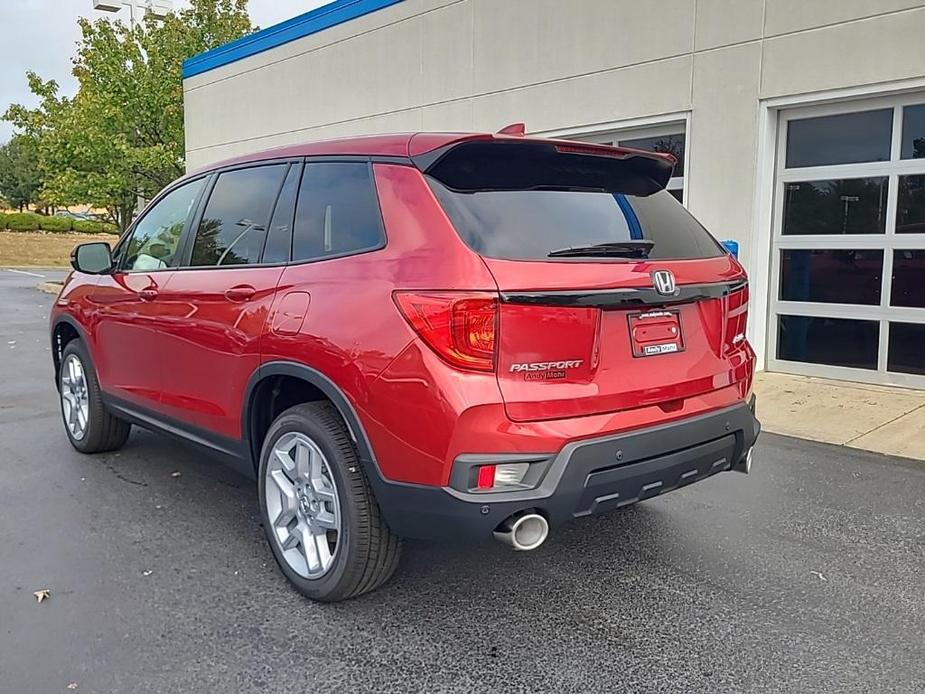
column 318, row 510
column 89, row 426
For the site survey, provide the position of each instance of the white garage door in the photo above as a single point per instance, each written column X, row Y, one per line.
column 848, row 261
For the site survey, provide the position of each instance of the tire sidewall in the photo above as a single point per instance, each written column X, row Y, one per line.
column 325, row 587
column 76, row 348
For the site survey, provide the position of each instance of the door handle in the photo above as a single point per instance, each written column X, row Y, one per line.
column 240, row 293
column 149, row 294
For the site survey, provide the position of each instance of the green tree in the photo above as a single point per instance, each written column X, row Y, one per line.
column 121, row 136
column 20, row 176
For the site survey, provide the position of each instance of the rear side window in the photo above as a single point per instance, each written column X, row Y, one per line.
column 531, row 224
column 234, row 225
column 337, row 212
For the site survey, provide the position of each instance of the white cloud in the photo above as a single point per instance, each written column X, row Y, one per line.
column 41, row 35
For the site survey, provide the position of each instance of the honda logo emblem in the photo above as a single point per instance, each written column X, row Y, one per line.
column 663, row 280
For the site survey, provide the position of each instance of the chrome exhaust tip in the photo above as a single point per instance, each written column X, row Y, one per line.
column 523, row 531
column 745, row 465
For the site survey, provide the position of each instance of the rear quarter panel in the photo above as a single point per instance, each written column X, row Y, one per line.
column 353, row 331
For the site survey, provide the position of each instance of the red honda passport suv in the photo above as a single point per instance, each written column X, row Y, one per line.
column 425, row 335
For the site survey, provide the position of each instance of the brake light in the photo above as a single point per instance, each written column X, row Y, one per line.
column 461, row 327
column 736, row 312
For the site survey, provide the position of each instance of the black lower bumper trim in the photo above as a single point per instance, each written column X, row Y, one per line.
column 586, row 477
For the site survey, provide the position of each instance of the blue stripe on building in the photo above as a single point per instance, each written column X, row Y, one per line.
column 319, row 19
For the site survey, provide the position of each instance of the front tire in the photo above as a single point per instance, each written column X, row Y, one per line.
column 89, row 426
column 319, row 513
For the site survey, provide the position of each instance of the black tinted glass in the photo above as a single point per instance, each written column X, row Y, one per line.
column 908, row 280
column 910, row 207
column 670, row 144
column 834, row 341
column 844, row 139
column 846, row 206
column 156, row 237
column 234, row 225
column 529, row 224
column 831, row 276
column 337, row 212
column 907, row 348
column 279, row 235
column 913, row 146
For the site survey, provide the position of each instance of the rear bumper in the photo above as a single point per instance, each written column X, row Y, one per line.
column 586, row 477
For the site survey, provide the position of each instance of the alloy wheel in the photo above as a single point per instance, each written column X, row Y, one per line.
column 75, row 402
column 302, row 505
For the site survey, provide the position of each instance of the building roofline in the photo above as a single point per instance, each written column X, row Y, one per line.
column 319, row 19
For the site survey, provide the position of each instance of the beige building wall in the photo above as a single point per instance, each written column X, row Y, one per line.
column 575, row 67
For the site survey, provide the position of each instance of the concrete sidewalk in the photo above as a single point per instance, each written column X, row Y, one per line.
column 875, row 418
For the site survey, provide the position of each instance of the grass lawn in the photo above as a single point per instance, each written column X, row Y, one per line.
column 25, row 248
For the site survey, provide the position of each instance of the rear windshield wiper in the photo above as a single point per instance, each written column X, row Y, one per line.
column 615, row 249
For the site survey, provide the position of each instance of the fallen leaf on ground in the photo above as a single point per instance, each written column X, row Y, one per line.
column 42, row 594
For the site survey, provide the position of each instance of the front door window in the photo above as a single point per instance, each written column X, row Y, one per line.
column 154, row 242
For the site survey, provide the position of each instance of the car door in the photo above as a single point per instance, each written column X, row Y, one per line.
column 125, row 306
column 214, row 308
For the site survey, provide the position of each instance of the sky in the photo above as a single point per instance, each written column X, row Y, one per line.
column 40, row 35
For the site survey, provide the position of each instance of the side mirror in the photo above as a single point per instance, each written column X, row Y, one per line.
column 92, row 258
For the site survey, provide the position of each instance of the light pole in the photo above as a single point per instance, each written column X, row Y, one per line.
column 159, row 9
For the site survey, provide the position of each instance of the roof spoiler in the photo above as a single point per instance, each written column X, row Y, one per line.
column 487, row 162
column 514, row 130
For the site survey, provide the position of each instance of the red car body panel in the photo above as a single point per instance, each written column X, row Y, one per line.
column 187, row 344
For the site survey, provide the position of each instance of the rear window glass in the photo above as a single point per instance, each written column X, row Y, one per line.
column 531, row 224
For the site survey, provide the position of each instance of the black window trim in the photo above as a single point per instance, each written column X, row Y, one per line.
column 185, row 246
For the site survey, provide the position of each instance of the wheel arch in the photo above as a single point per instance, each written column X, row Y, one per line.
column 65, row 329
column 254, row 426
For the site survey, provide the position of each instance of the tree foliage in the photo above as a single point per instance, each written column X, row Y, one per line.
column 121, row 135
column 20, row 177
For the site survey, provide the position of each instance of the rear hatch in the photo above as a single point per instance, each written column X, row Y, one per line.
column 612, row 296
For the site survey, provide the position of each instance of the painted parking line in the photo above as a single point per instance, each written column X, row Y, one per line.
column 23, row 272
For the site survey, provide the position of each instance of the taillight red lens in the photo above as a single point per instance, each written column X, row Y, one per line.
column 736, row 310
column 461, row 327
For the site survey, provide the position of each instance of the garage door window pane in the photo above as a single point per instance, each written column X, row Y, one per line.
column 908, row 280
column 844, row 206
column 671, row 144
column 913, row 132
column 234, row 225
column 910, row 208
column 831, row 276
column 848, row 138
column 833, row 341
column 906, row 354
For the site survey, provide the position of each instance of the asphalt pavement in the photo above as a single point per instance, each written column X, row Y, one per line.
column 807, row 575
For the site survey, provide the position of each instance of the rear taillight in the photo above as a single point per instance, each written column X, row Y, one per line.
column 736, row 311
column 461, row 327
